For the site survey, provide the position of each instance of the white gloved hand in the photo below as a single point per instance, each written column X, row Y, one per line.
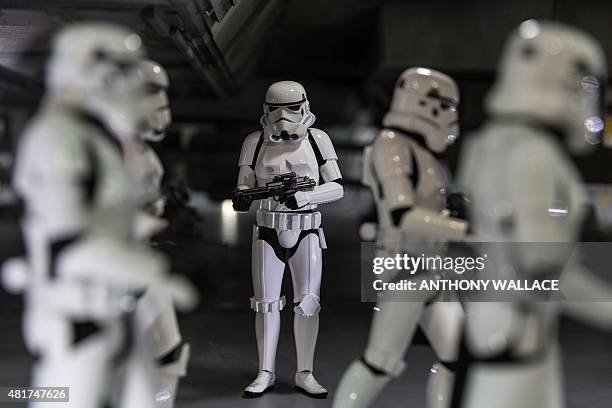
column 15, row 275
column 147, row 225
column 368, row 231
column 184, row 295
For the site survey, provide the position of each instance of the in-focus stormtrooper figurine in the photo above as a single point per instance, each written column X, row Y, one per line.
column 411, row 190
column 155, row 309
column 84, row 267
column 288, row 230
column 524, row 188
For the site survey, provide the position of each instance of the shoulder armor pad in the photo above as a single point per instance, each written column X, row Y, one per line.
column 324, row 144
column 51, row 134
column 52, row 124
column 391, row 154
column 389, row 142
column 389, row 139
column 249, row 147
column 55, row 131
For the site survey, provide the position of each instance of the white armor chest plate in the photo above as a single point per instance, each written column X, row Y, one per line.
column 114, row 197
column 279, row 158
column 95, row 180
column 148, row 173
column 559, row 200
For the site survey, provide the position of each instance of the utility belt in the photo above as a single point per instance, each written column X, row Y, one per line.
column 282, row 221
column 81, row 300
column 270, row 204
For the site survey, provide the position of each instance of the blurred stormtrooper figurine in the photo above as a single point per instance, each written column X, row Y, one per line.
column 145, row 163
column 525, row 189
column 274, row 163
column 84, row 267
column 411, row 190
column 155, row 310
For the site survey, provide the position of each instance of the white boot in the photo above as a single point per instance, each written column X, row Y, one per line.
column 306, row 383
column 359, row 386
column 169, row 376
column 263, row 383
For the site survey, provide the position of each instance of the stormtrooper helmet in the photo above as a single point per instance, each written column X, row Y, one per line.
column 426, row 102
column 556, row 75
column 156, row 85
column 94, row 68
column 287, row 115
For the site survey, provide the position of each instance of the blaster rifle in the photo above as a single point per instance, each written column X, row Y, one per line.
column 281, row 188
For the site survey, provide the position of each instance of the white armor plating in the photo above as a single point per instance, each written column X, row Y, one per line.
column 260, row 161
column 155, row 311
column 392, row 165
column 148, row 173
column 84, row 267
column 522, row 172
column 283, row 235
column 524, row 331
column 410, row 189
column 157, row 319
column 425, row 102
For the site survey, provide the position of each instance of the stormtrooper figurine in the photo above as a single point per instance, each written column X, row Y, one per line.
column 524, row 188
column 84, row 267
column 146, row 164
column 289, row 231
column 411, row 190
column 155, row 309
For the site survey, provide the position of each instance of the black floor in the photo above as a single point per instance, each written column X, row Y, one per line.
column 224, row 360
